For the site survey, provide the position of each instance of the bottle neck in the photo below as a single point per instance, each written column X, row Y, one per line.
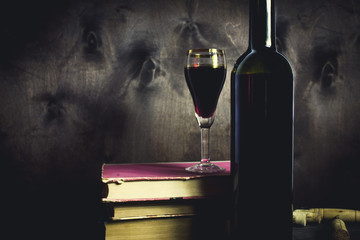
column 262, row 24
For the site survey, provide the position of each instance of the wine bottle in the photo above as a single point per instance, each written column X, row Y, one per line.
column 262, row 134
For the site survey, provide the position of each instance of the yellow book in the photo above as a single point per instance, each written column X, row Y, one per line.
column 167, row 228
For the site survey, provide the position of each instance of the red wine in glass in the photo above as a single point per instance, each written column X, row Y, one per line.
column 205, row 84
column 205, row 73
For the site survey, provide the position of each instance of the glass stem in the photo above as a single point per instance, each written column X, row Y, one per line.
column 205, row 145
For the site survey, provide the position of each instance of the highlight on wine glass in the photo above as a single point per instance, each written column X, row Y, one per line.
column 205, row 73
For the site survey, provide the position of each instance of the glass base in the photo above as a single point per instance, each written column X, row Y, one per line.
column 205, row 167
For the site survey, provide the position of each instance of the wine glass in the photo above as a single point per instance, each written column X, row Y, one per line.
column 205, row 72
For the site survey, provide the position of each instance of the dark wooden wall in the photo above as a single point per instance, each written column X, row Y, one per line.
column 89, row 82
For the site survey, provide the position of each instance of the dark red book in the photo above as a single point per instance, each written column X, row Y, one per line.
column 162, row 181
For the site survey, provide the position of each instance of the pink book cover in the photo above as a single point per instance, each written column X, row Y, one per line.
column 155, row 171
column 121, row 173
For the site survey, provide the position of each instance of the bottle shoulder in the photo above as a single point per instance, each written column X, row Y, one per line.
column 265, row 61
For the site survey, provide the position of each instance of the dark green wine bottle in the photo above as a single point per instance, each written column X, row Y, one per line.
column 262, row 134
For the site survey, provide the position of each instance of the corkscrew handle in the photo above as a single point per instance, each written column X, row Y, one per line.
column 316, row 215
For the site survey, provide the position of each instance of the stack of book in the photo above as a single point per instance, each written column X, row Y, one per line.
column 163, row 201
